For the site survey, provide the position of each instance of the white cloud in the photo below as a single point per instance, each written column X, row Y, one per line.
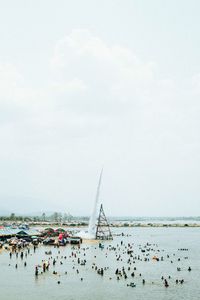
column 91, row 80
column 114, row 75
column 73, row 85
column 80, row 45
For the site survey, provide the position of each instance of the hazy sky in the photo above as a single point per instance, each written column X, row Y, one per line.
column 86, row 84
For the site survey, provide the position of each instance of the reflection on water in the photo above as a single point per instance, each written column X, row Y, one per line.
column 21, row 283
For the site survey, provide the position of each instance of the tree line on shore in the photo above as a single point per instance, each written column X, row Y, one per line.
column 56, row 217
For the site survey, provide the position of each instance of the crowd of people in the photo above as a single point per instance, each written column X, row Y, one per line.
column 118, row 261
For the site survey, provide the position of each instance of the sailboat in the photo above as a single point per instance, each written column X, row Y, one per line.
column 91, row 232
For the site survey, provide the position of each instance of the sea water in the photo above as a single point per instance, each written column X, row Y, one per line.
column 21, row 283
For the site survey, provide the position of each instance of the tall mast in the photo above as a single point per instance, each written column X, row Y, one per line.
column 103, row 231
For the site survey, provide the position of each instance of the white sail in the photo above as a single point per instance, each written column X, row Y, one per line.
column 92, row 222
column 90, row 234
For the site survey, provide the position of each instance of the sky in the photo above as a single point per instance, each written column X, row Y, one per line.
column 100, row 83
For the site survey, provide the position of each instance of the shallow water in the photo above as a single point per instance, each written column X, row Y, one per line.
column 21, row 283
